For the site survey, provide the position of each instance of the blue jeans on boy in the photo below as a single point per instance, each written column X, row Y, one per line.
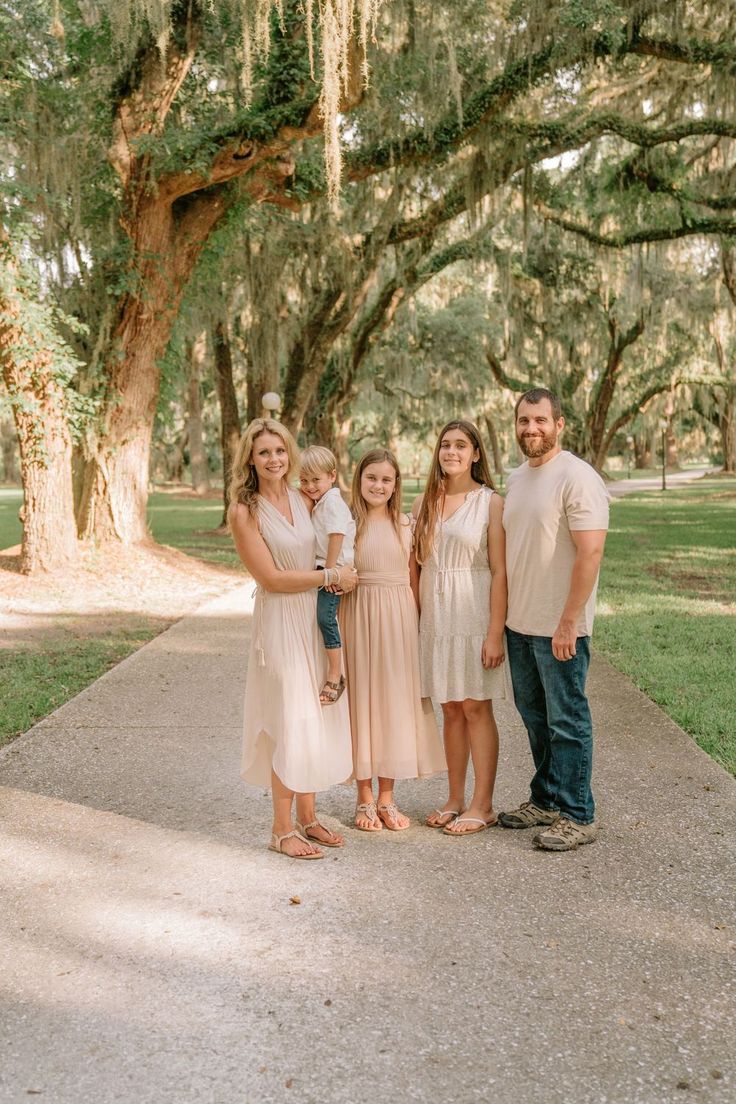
column 327, row 605
column 550, row 696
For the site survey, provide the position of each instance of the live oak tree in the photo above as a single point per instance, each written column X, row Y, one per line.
column 160, row 146
column 136, row 232
column 597, row 328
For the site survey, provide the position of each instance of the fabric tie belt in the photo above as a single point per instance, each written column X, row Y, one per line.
column 383, row 578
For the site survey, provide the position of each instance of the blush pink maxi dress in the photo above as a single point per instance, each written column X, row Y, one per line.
column 394, row 731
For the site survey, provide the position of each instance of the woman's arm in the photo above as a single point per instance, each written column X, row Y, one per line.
column 493, row 654
column 256, row 555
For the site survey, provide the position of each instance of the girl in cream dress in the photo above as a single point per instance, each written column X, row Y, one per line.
column 290, row 742
column 393, row 728
column 460, row 552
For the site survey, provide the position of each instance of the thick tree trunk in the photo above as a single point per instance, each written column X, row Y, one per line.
column 9, row 445
column 49, row 532
column 175, row 468
column 309, row 356
column 723, row 397
column 229, row 415
column 39, row 408
column 167, row 245
column 115, row 490
column 727, row 428
column 198, row 465
column 603, row 395
column 673, row 459
column 642, row 451
column 342, row 453
column 495, row 446
column 264, row 267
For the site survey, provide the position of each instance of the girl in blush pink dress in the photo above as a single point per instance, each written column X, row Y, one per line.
column 393, row 729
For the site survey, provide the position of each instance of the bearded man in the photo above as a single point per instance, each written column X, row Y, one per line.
column 556, row 519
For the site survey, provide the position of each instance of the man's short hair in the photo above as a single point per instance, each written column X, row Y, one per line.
column 537, row 395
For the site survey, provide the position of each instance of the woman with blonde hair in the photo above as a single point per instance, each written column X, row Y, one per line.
column 459, row 549
column 290, row 743
column 394, row 732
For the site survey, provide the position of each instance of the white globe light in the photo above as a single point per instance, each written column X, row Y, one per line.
column 271, row 401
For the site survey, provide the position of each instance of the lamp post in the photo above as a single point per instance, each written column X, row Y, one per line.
column 629, row 450
column 663, row 427
column 270, row 402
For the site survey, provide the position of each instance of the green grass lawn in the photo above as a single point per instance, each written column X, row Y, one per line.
column 188, row 524
column 666, row 606
column 36, row 681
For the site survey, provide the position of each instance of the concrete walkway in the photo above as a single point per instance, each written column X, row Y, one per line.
column 622, row 487
column 150, row 952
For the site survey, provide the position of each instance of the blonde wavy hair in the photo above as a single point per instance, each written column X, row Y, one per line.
column 317, row 460
column 434, row 491
column 243, row 486
column 357, row 502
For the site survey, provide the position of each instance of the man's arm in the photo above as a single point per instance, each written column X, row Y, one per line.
column 589, row 544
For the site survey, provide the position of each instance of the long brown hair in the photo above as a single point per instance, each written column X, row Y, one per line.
column 243, row 486
column 434, row 490
column 357, row 502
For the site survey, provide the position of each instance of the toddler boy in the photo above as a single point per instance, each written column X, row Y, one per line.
column 334, row 529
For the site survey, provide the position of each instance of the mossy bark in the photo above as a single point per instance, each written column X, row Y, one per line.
column 39, row 404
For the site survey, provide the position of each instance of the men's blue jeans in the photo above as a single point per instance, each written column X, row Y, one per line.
column 550, row 695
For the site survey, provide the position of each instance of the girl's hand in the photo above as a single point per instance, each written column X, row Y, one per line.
column 492, row 654
column 348, row 579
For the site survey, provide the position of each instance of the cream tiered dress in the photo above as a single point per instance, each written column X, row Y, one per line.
column 454, row 591
column 394, row 731
column 285, row 725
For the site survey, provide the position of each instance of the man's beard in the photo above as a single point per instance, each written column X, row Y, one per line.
column 537, row 446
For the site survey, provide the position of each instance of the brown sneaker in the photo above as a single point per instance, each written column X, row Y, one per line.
column 566, row 835
column 528, row 815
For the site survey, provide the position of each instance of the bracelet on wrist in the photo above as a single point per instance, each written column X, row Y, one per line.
column 330, row 576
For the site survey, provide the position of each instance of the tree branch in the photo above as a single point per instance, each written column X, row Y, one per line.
column 500, row 375
column 726, row 227
column 694, row 52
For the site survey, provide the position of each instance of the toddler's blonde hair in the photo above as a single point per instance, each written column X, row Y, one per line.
column 317, row 460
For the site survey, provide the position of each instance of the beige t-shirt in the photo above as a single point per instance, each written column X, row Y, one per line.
column 543, row 505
